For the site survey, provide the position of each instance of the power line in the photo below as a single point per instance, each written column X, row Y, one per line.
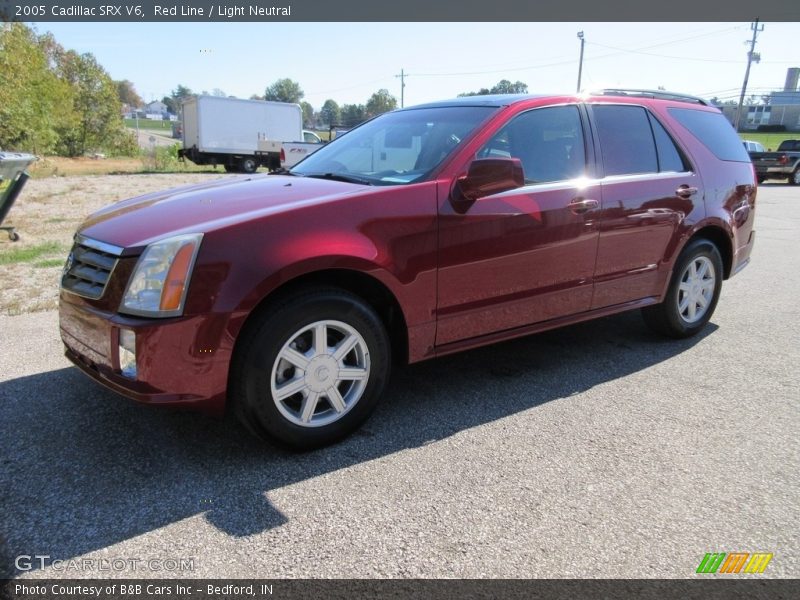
column 663, row 55
column 693, row 58
column 349, row 87
column 569, row 61
column 565, row 60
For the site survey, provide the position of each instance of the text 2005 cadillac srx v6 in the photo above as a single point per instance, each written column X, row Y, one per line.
column 422, row 232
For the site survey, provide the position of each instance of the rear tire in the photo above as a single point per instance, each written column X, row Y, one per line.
column 249, row 165
column 692, row 294
column 309, row 370
column 794, row 178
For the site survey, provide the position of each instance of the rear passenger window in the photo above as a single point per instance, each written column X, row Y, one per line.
column 626, row 140
column 714, row 131
column 669, row 157
column 548, row 142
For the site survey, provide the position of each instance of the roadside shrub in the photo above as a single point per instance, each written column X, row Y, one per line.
column 165, row 158
column 771, row 128
column 122, row 143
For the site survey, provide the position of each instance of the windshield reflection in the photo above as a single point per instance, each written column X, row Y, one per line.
column 395, row 148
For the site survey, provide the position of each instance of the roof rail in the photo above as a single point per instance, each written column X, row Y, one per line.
column 657, row 94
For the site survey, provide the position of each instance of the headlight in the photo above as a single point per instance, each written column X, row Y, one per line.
column 157, row 287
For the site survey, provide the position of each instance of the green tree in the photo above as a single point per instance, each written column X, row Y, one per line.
column 353, row 114
column 504, row 86
column 330, row 113
column 97, row 123
column 52, row 99
column 308, row 114
column 31, row 96
column 174, row 101
column 380, row 102
column 169, row 102
column 717, row 102
column 284, row 90
column 128, row 95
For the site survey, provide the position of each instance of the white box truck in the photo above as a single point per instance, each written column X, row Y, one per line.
column 225, row 131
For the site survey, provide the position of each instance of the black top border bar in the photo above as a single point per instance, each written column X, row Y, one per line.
column 406, row 11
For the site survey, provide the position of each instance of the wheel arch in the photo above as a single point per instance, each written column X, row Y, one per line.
column 363, row 285
column 721, row 239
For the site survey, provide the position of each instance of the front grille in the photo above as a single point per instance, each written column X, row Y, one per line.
column 89, row 267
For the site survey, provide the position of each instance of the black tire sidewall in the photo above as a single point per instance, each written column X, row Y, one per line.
column 249, row 165
column 267, row 339
column 693, row 251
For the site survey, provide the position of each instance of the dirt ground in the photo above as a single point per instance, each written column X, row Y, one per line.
column 46, row 215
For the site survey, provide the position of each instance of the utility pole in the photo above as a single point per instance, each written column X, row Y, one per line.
column 580, row 62
column 402, row 77
column 751, row 56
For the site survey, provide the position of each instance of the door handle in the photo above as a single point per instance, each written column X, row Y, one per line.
column 580, row 205
column 686, row 191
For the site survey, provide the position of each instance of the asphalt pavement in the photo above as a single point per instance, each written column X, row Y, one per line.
column 598, row 450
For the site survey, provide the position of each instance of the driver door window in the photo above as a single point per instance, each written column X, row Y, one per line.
column 548, row 142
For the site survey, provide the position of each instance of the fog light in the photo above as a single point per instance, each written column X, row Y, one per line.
column 127, row 353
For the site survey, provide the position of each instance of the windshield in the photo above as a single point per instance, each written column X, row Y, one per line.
column 396, row 148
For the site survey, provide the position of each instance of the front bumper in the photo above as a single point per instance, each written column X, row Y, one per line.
column 180, row 362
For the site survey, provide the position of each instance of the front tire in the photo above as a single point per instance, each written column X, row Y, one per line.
column 794, row 178
column 692, row 295
column 310, row 370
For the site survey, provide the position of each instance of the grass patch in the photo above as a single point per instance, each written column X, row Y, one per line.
column 29, row 254
column 54, row 166
column 50, row 262
column 769, row 140
column 150, row 125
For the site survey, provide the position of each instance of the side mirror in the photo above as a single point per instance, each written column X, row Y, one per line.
column 487, row 176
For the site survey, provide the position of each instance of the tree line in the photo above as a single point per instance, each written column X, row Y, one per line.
column 56, row 101
column 332, row 114
column 288, row 90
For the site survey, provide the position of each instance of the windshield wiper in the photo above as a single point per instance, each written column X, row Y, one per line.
column 282, row 171
column 340, row 177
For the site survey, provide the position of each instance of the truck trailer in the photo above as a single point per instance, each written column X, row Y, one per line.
column 225, row 131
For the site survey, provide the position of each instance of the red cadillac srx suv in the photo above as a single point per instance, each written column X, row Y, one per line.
column 422, row 232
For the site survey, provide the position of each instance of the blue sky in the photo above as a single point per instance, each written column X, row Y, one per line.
column 350, row 61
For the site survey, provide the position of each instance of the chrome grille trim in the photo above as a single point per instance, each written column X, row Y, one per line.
column 98, row 245
column 89, row 267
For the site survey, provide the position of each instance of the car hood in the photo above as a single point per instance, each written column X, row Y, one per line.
column 132, row 224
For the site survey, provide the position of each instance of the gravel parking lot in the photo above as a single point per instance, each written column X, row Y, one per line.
column 593, row 451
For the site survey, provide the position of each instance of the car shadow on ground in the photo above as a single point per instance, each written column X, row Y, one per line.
column 82, row 469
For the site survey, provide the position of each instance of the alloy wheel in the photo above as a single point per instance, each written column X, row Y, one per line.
column 320, row 373
column 696, row 289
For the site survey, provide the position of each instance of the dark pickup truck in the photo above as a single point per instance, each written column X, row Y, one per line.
column 785, row 163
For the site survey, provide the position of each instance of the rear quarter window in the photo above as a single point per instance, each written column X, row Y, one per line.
column 714, row 131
